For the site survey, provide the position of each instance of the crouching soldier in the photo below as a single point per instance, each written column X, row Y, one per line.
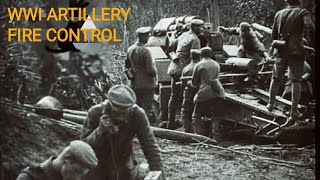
column 188, row 92
column 209, row 96
column 72, row 163
column 110, row 128
column 250, row 45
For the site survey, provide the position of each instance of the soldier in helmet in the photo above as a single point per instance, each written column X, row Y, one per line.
column 250, row 45
column 71, row 164
column 144, row 72
column 110, row 128
column 186, row 41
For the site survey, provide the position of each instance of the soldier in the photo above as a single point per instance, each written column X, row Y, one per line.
column 288, row 26
column 210, row 94
column 189, row 92
column 110, row 128
column 144, row 72
column 187, row 41
column 250, row 45
column 306, row 86
column 72, row 163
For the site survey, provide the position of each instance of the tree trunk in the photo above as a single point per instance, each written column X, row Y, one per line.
column 214, row 14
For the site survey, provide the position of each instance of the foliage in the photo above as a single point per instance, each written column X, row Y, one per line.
column 29, row 57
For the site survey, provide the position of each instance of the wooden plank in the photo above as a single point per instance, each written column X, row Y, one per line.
column 158, row 132
column 254, row 104
column 280, row 103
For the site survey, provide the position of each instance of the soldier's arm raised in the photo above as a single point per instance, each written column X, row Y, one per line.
column 231, row 30
column 90, row 131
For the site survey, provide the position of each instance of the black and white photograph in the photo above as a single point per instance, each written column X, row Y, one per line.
column 158, row 89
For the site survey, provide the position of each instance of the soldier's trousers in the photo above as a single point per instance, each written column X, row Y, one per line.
column 187, row 108
column 250, row 54
column 175, row 98
column 210, row 109
column 145, row 100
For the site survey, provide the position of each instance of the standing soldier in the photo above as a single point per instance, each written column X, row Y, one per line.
column 72, row 163
column 144, row 72
column 188, row 92
column 186, row 41
column 210, row 94
column 110, row 128
column 250, row 45
column 306, row 86
column 288, row 26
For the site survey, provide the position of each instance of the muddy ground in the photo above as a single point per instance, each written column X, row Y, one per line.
column 185, row 161
column 27, row 138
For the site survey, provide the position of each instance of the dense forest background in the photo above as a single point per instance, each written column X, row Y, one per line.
column 27, row 67
column 33, row 62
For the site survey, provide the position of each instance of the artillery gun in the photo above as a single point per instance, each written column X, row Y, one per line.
column 244, row 79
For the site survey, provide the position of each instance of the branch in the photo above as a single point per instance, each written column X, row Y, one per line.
column 289, row 164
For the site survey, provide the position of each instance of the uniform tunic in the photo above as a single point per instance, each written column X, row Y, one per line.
column 210, row 95
column 186, row 41
column 144, row 82
column 115, row 152
column 43, row 171
column 250, row 45
column 289, row 25
column 188, row 94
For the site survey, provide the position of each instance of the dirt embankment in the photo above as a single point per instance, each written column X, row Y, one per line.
column 27, row 138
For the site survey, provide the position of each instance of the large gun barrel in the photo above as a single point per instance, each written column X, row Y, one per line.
column 242, row 64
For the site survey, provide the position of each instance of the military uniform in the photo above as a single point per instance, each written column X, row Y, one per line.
column 186, row 41
column 250, row 45
column 306, row 86
column 81, row 153
column 40, row 172
column 210, row 94
column 188, row 94
column 144, row 82
column 288, row 26
column 115, row 151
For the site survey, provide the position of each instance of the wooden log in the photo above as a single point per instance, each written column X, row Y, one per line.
column 74, row 118
column 158, row 132
column 269, row 31
column 181, row 136
column 262, row 28
column 75, row 112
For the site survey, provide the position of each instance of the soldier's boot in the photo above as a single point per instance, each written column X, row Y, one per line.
column 216, row 131
column 187, row 123
column 296, row 93
column 274, row 86
column 197, row 126
column 172, row 118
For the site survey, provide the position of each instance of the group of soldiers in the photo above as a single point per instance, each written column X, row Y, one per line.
column 105, row 151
